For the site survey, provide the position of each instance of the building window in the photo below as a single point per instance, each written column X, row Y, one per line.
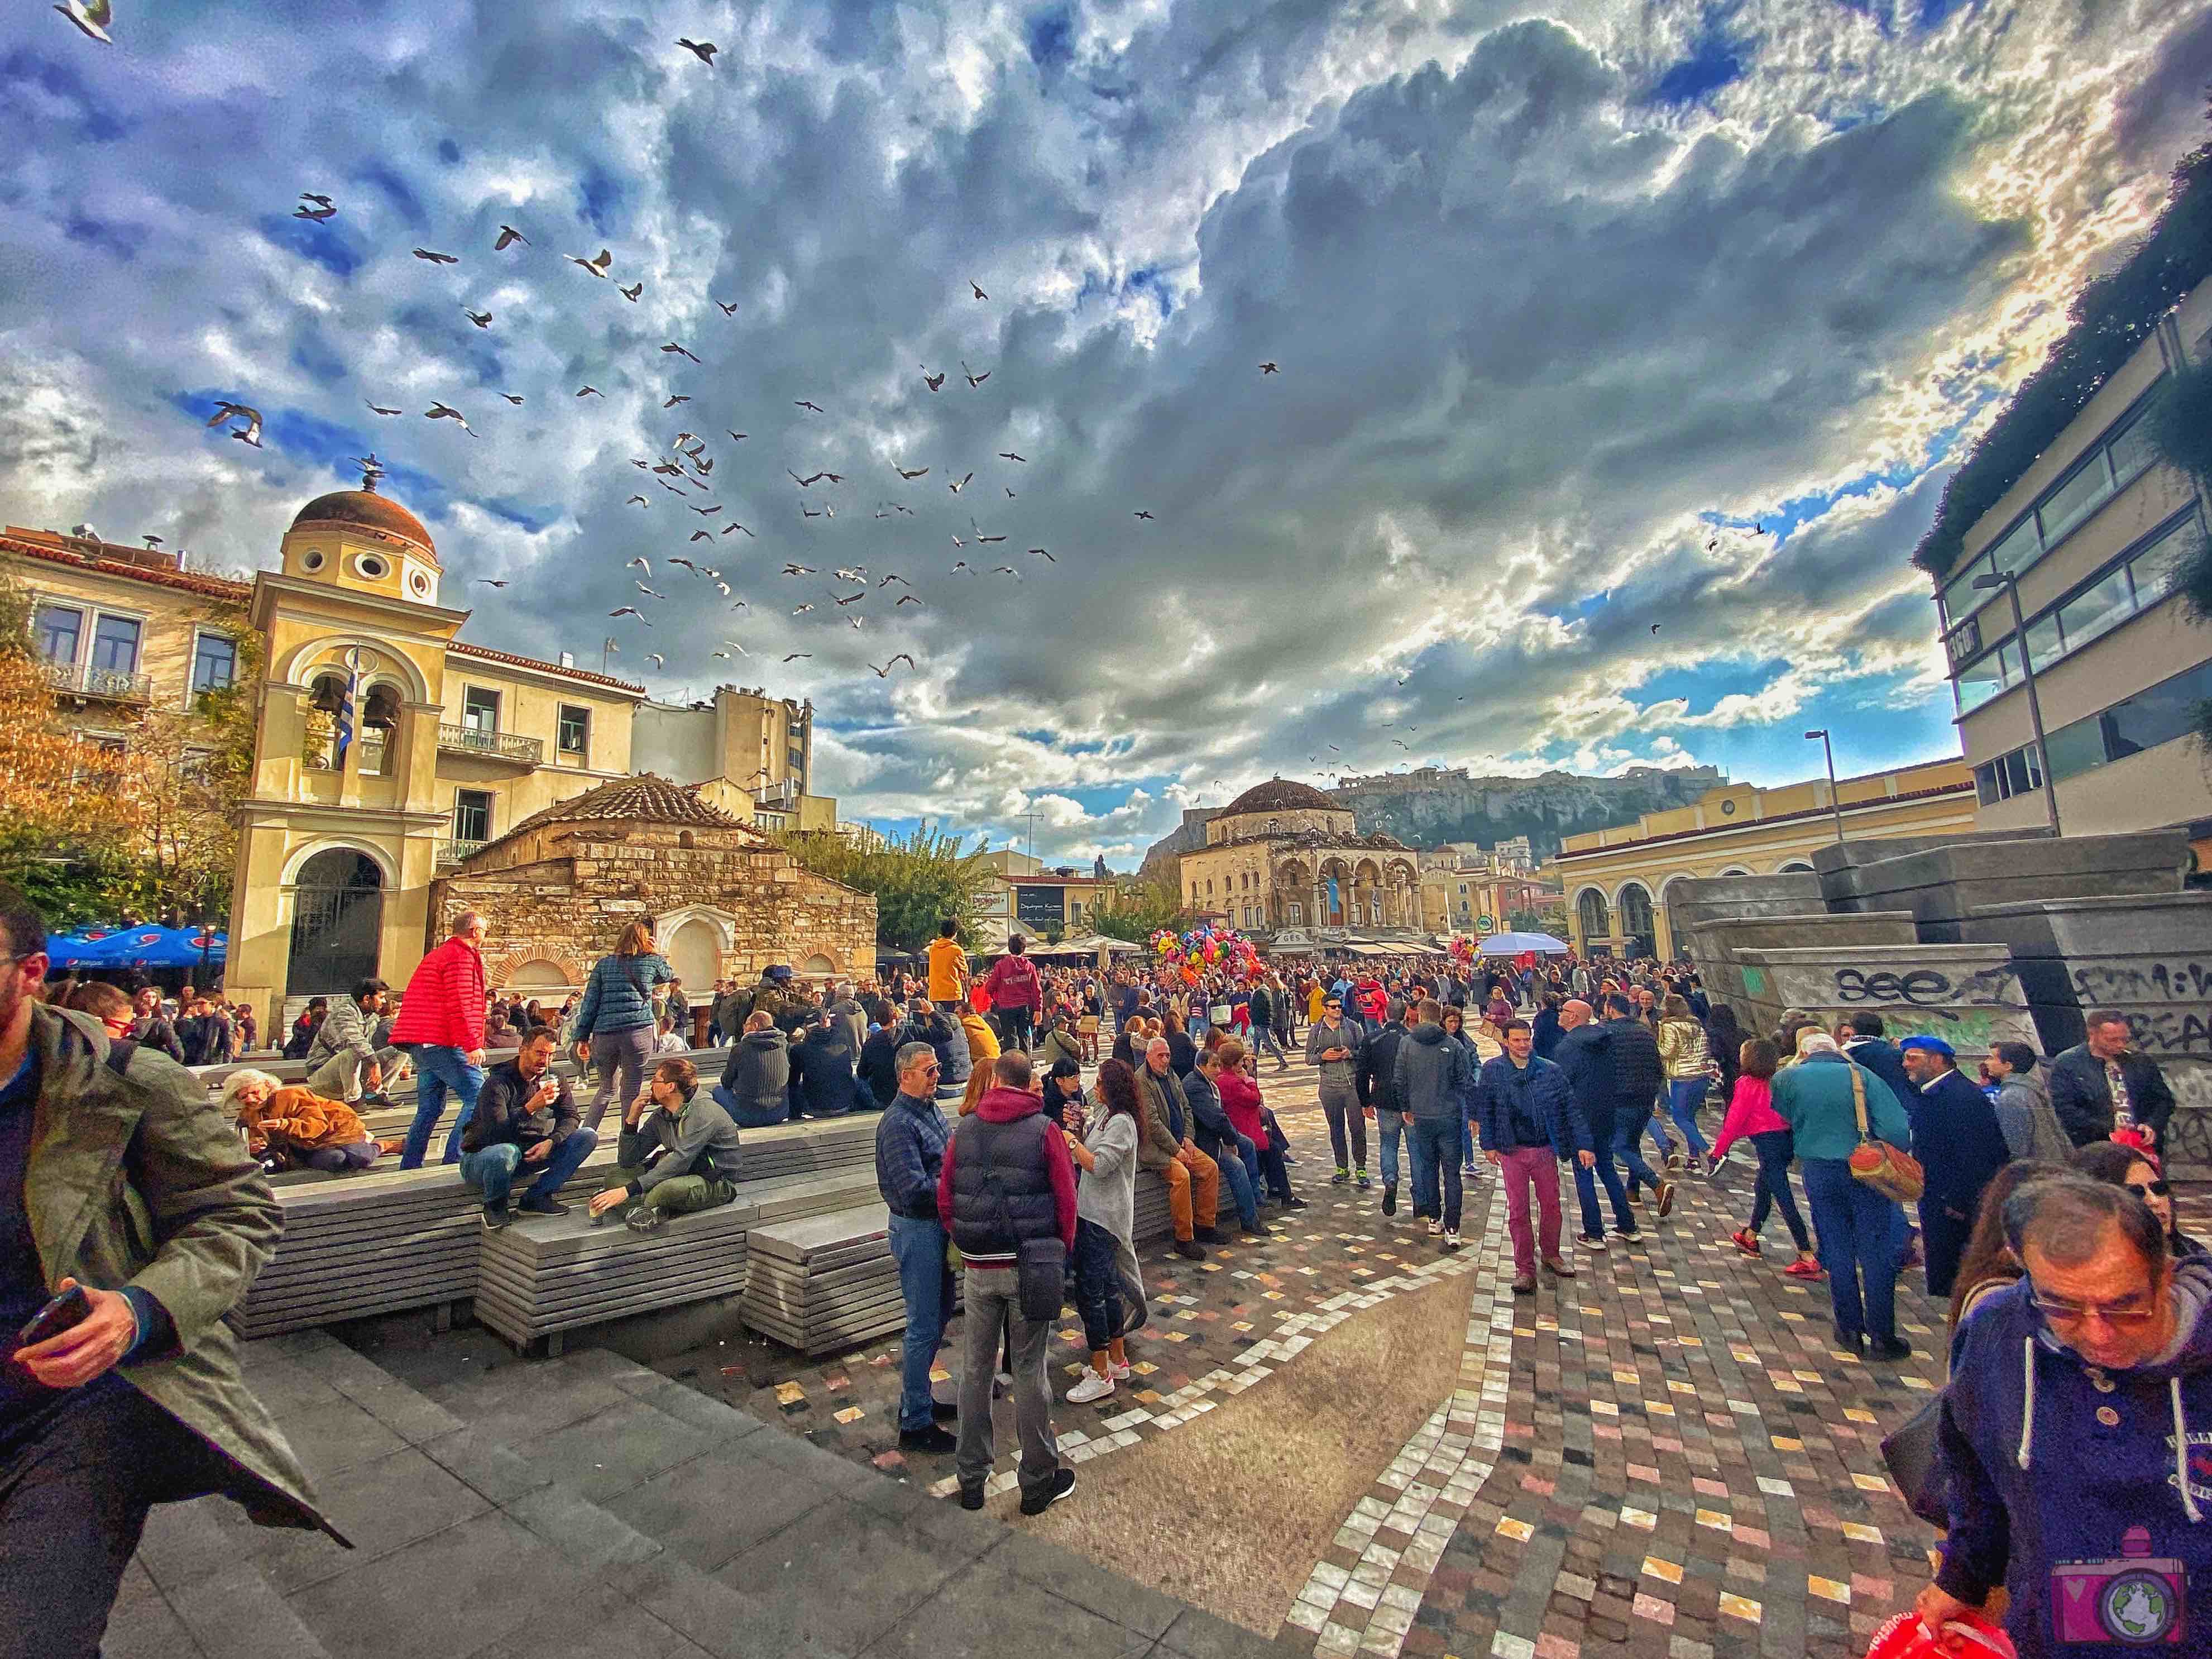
column 2164, row 712
column 2013, row 773
column 115, row 644
column 575, row 730
column 480, row 709
column 1296, row 912
column 214, row 662
column 60, row 630
column 472, row 815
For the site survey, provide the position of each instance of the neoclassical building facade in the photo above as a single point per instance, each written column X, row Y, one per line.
column 1284, row 856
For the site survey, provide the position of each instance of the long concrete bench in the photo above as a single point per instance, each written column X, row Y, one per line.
column 826, row 1282
column 384, row 1240
column 545, row 1276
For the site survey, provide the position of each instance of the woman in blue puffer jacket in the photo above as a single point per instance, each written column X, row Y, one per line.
column 615, row 1022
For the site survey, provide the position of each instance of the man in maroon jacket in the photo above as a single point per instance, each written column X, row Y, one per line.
column 1016, row 993
column 1007, row 1179
column 441, row 1022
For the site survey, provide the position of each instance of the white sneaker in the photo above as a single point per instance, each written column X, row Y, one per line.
column 1117, row 1370
column 1451, row 1241
column 1092, row 1387
column 1434, row 1226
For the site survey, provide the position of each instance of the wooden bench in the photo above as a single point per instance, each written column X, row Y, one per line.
column 543, row 1276
column 825, row 1282
column 389, row 1239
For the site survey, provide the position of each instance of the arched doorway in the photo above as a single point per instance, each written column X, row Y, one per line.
column 1335, row 896
column 337, row 916
column 695, row 951
column 817, row 966
column 1595, row 919
column 538, row 977
column 1638, row 933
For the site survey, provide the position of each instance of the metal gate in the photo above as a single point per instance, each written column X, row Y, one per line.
column 337, row 914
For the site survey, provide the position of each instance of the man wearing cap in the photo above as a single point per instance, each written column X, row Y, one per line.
column 1960, row 1145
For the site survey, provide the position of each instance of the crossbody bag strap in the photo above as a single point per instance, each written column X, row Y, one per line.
column 1858, row 1102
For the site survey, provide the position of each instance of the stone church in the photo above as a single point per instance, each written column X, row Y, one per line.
column 1283, row 858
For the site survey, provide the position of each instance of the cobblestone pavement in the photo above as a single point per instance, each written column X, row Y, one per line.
column 1665, row 1455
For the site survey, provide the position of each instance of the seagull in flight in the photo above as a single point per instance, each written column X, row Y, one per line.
column 698, row 536
column 641, row 562
column 631, row 292
column 728, row 310
column 91, row 16
column 656, row 660
column 590, row 391
column 631, row 610
column 894, row 576
column 796, row 655
column 647, row 592
column 672, row 346
column 735, row 647
column 251, row 432
column 1144, row 515
column 917, row 472
column 686, row 563
column 805, row 483
column 798, row 571
column 848, row 574
column 933, row 381
column 734, row 525
column 851, row 598
column 704, row 50
column 978, row 292
column 512, row 399
column 640, row 499
column 906, row 598
column 802, row 403
column 680, row 398
column 707, row 512
column 1048, row 559
column 378, row 409
column 445, row 412
column 508, row 236
column 1009, row 455
column 480, row 319
column 436, row 257
column 303, row 212
column 973, row 379
column 597, row 266
column 1266, row 368
column 962, row 484
column 737, row 437
column 906, row 657
column 802, row 610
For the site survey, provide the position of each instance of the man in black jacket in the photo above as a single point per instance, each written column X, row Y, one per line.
column 822, row 1083
column 1211, row 1128
column 1639, row 1074
column 526, row 1119
column 1585, row 1054
column 755, row 1085
column 878, row 1062
column 2094, row 1081
column 1378, row 1063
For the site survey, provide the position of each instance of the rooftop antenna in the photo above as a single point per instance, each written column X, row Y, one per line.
column 1032, row 815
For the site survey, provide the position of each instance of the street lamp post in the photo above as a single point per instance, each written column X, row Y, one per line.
column 1996, row 579
column 1834, row 806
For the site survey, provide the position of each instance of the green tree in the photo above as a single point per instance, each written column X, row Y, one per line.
column 916, row 882
column 1140, row 908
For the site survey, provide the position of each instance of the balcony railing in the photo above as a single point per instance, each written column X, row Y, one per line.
column 453, row 850
column 491, row 745
column 777, row 797
column 112, row 684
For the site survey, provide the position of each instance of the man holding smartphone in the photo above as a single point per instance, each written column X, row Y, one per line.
column 525, row 1124
column 122, row 1183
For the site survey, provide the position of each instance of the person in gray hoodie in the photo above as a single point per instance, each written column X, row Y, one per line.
column 1334, row 1044
column 1428, row 1078
column 755, row 1085
column 678, row 1153
column 2031, row 1125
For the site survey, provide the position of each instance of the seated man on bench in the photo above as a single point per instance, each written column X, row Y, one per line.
column 678, row 1153
column 525, row 1121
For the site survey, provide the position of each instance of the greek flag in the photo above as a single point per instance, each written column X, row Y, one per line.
column 346, row 705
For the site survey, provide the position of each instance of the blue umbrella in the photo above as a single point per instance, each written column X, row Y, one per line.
column 152, row 945
column 77, row 949
column 1514, row 945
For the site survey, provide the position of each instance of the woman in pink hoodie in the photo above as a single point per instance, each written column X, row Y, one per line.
column 1751, row 1116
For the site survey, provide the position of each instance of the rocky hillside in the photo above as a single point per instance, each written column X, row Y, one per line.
column 1432, row 805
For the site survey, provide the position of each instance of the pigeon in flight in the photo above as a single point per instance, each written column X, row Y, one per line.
column 508, row 236
column 735, row 647
column 737, row 437
column 1009, row 455
column 734, row 525
column 92, row 17
column 480, row 319
column 707, row 512
column 728, row 310
column 893, row 576
column 316, row 197
column 918, row 472
column 698, row 536
column 598, row 266
column 1009, row 492
column 446, row 412
column 798, row 571
column 1006, row 570
column 640, row 499
column 808, row 513
column 851, row 598
column 906, row 657
column 1266, row 368
column 251, row 432
column 647, row 592
column 491, row 581
column 672, row 346
column 641, row 562
column 680, row 398
column 1048, row 559
column 512, row 399
column 1144, row 515
column 590, row 392
column 378, row 409
column 973, row 378
column 631, row 292
column 704, row 50
column 802, row 610
column 802, row 482
column 851, row 573
column 656, row 660
column 796, row 655
column 687, row 564
column 979, row 292
column 437, row 258
column 906, row 598
column 962, row 484
column 631, row 610
column 303, row 212
column 802, row 403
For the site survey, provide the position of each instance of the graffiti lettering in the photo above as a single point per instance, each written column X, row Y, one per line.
column 1923, row 988
column 2179, row 982
column 2170, row 1032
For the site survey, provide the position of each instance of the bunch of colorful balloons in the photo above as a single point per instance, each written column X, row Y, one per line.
column 1206, row 947
column 1463, row 950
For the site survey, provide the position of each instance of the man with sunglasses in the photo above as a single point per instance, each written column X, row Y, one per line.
column 118, row 1179
column 1334, row 1044
column 1960, row 1146
column 2076, row 1434
column 910, row 1140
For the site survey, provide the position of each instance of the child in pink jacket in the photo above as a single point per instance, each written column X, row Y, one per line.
column 1751, row 1116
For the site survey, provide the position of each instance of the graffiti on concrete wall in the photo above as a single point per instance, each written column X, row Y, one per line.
column 1927, row 987
column 2099, row 982
column 2164, row 1032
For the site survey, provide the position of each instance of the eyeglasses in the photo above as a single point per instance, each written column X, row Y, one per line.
column 2060, row 1312
column 2148, row 1188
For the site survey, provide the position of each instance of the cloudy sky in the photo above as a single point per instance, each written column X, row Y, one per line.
column 1561, row 294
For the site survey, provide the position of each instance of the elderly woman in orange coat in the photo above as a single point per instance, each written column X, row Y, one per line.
column 296, row 1128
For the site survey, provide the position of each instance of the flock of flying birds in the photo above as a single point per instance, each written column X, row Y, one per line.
column 685, row 470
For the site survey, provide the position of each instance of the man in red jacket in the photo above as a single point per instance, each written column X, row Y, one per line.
column 1016, row 993
column 441, row 1022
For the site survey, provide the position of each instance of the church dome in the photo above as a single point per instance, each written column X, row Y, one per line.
column 1281, row 795
column 365, row 509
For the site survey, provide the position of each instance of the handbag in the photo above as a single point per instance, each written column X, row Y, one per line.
column 1910, row 1454
column 1896, row 1176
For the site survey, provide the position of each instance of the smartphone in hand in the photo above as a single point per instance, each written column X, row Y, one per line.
column 65, row 1312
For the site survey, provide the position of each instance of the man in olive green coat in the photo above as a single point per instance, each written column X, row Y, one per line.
column 120, row 1179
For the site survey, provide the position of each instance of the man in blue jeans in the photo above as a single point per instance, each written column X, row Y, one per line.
column 525, row 1122
column 441, row 1024
column 910, row 1157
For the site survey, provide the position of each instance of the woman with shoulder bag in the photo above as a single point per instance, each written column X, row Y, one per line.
column 615, row 1023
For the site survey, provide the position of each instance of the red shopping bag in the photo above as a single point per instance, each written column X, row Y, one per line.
column 1905, row 1637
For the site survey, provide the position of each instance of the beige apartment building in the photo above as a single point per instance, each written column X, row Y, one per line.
column 2093, row 533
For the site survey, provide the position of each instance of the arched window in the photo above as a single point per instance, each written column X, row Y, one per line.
column 1591, row 909
column 1636, row 923
column 338, row 915
column 695, row 953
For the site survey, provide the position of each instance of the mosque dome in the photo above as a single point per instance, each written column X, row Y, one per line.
column 365, row 509
column 1281, row 795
